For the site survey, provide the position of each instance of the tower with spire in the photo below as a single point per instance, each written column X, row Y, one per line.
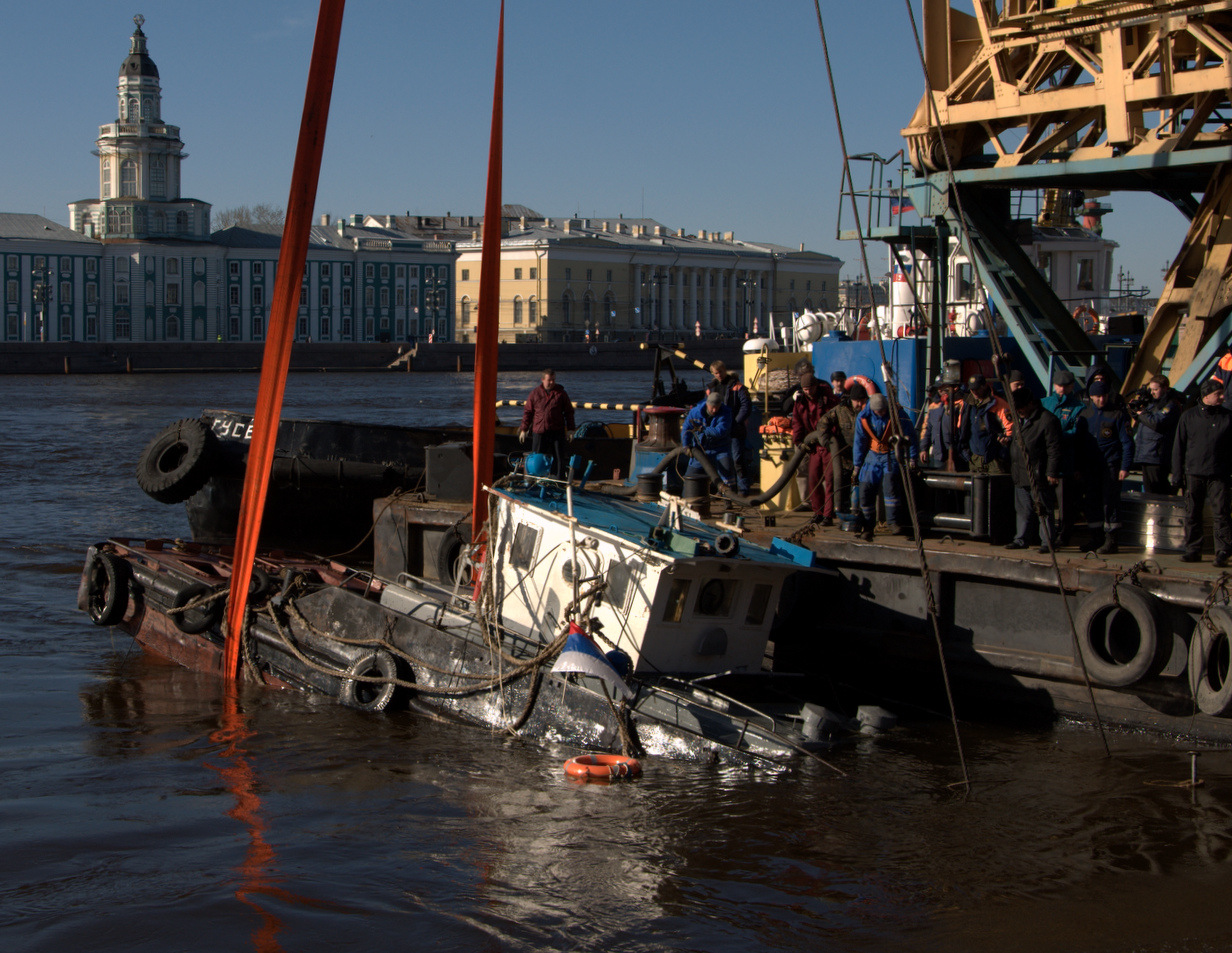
column 139, row 159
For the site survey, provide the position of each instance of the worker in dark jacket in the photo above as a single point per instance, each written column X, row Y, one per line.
column 1202, row 458
column 985, row 428
column 837, row 428
column 1157, row 418
column 548, row 415
column 707, row 427
column 815, row 399
column 937, row 430
column 736, row 397
column 1105, row 452
column 1041, row 441
column 1065, row 404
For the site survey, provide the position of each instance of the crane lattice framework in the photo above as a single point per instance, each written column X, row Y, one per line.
column 1094, row 94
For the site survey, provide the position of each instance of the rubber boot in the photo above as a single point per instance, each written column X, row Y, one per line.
column 1109, row 545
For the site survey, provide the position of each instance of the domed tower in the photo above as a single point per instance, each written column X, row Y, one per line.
column 139, row 160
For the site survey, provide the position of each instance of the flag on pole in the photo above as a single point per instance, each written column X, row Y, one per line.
column 580, row 654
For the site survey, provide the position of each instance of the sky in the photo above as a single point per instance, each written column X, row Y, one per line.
column 700, row 114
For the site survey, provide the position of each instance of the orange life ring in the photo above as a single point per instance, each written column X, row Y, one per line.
column 602, row 767
column 1086, row 317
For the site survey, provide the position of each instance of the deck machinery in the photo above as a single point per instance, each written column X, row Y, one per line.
column 1073, row 95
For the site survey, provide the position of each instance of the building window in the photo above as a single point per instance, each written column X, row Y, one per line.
column 66, row 292
column 369, row 296
column 66, row 266
column 303, row 297
column 568, row 274
column 258, row 296
column 10, row 292
column 199, row 294
column 301, row 327
column 400, row 297
column 128, row 178
column 384, row 272
column 106, row 193
column 181, row 222
column 158, row 178
column 566, row 309
column 325, row 296
column 517, row 274
column 324, row 269
column 534, row 273
column 258, row 328
column 91, row 293
column 590, row 274
column 517, row 310
column 791, row 285
column 234, row 298
column 466, row 274
column 11, row 262
column 258, row 269
column 123, row 323
column 532, row 310
column 609, row 275
column 173, row 328
column 91, row 266
column 400, row 271
column 346, row 270
column 234, row 269
column 121, row 293
column 464, row 315
column 384, row 297
column 442, row 272
column 346, row 328
column 325, row 327
column 346, row 297
column 369, row 270
column 233, row 327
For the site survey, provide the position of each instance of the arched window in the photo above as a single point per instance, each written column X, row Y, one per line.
column 588, row 310
column 158, row 178
column 517, row 309
column 133, row 114
column 199, row 294
column 533, row 312
column 106, row 190
column 566, row 308
column 173, row 328
column 465, row 313
column 160, row 222
column 609, row 309
column 181, row 222
column 128, row 178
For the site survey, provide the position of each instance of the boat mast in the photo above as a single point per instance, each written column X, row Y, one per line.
column 488, row 317
column 276, row 358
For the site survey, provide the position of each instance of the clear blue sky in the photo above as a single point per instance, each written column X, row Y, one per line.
column 709, row 114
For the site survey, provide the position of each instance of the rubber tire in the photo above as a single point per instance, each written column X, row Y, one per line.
column 1213, row 697
column 370, row 696
column 448, row 556
column 196, row 620
column 178, row 461
column 107, row 589
column 258, row 584
column 1106, row 663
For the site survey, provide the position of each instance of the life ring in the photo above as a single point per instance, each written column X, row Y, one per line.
column 177, row 462
column 1119, row 640
column 199, row 618
column 602, row 767
column 1087, row 318
column 357, row 692
column 1210, row 662
column 107, row 589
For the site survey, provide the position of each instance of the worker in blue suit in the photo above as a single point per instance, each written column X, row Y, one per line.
column 875, row 459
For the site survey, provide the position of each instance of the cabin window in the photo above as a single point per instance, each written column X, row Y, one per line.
column 525, row 539
column 1045, row 266
column 676, row 599
column 1086, row 274
column 715, row 597
column 618, row 579
column 758, row 604
column 965, row 283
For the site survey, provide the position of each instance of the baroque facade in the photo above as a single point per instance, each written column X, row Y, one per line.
column 139, row 263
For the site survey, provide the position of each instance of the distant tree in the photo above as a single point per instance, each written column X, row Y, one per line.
column 248, row 216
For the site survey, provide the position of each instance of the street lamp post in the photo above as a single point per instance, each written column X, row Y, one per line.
column 658, row 278
column 42, row 295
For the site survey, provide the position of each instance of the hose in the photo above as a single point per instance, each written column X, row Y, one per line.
column 789, row 471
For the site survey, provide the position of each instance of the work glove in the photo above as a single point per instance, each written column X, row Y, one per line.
column 521, row 436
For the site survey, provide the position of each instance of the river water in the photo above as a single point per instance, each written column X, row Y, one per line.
column 138, row 814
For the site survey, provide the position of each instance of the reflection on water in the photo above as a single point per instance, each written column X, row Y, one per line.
column 142, row 811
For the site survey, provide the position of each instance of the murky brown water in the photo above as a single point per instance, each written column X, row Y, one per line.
column 140, row 813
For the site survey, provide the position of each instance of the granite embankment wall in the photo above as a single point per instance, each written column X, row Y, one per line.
column 120, row 358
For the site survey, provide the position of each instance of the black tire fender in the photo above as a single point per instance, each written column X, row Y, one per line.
column 199, row 618
column 107, row 589
column 1118, row 635
column 451, row 559
column 178, row 461
column 365, row 695
column 1210, row 662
